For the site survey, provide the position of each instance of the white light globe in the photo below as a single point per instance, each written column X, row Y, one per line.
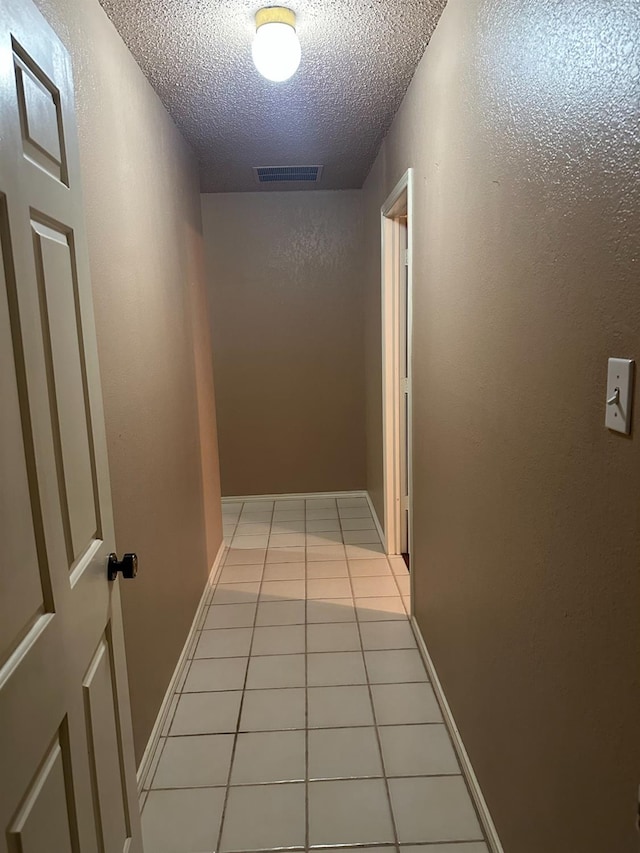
column 276, row 51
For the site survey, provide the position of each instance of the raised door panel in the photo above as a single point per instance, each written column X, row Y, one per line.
column 40, row 115
column 46, row 820
column 105, row 749
column 23, row 566
column 62, row 337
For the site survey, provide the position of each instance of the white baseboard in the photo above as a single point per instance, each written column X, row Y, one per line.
column 376, row 521
column 145, row 763
column 358, row 493
column 488, row 825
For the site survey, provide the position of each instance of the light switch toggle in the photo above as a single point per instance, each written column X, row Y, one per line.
column 619, row 394
column 615, row 400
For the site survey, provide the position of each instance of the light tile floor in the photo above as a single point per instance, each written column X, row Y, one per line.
column 304, row 718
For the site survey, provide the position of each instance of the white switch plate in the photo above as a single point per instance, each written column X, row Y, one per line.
column 620, row 376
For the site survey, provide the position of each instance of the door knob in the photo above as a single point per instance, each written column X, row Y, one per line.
column 128, row 565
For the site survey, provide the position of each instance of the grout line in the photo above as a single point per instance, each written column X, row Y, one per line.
column 294, row 687
column 375, row 719
column 294, row 496
column 299, row 729
column 311, row 728
column 364, row 846
column 239, row 717
column 296, row 599
column 325, row 849
column 298, row 781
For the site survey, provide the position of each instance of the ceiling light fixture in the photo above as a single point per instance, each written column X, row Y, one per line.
column 276, row 49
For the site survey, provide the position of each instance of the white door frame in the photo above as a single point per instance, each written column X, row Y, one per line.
column 399, row 203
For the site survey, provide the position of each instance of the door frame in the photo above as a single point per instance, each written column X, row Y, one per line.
column 399, row 203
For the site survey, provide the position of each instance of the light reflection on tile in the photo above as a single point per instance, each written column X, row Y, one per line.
column 305, row 659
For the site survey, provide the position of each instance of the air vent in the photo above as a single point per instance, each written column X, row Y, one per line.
column 288, row 174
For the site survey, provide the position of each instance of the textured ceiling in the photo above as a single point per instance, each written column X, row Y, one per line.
column 358, row 57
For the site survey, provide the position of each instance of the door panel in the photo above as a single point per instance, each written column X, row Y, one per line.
column 46, row 821
column 66, row 750
column 23, row 589
column 104, row 741
column 62, row 338
column 40, row 120
column 39, row 114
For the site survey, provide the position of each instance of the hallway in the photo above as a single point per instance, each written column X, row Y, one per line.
column 305, row 671
column 393, row 297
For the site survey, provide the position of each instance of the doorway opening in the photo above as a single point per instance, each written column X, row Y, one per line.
column 397, row 245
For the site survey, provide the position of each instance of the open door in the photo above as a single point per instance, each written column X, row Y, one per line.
column 403, row 385
column 67, row 783
column 396, row 222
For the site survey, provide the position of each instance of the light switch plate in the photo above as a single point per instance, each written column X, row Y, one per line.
column 619, row 394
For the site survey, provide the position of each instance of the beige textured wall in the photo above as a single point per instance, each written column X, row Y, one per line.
column 285, row 286
column 145, row 242
column 522, row 125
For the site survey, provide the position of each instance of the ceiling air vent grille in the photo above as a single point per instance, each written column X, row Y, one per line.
column 288, row 174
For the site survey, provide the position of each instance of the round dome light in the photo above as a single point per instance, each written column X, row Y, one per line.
column 276, row 49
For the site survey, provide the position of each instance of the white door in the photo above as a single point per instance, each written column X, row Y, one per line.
column 403, row 385
column 396, row 221
column 67, row 775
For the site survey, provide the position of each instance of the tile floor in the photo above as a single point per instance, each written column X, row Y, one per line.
column 304, row 718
